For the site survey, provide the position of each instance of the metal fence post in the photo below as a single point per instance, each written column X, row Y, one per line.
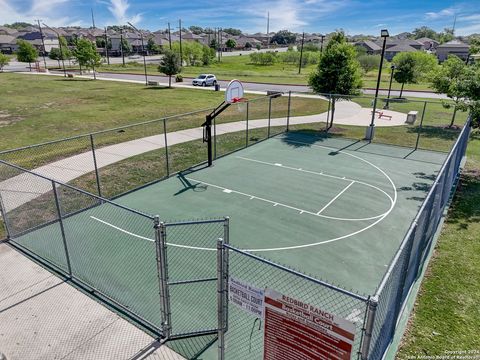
column 288, row 109
column 246, row 137
column 372, row 305
column 328, row 112
column 3, row 213
column 162, row 272
column 421, row 124
column 269, row 115
column 214, row 139
column 166, row 146
column 226, row 272
column 220, row 300
column 97, row 176
column 62, row 229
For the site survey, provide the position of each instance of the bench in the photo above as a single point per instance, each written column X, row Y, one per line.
column 382, row 114
column 153, row 83
column 274, row 93
column 70, row 75
column 411, row 117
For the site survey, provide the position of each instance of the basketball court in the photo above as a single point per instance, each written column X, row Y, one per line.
column 332, row 208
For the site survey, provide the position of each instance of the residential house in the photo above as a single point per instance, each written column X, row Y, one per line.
column 8, row 44
column 35, row 38
column 391, row 42
column 394, row 50
column 369, row 46
column 428, row 44
column 453, row 47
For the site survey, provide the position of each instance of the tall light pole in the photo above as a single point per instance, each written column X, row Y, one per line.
column 371, row 129
column 143, row 52
column 392, row 70
column 181, row 54
column 322, row 37
column 61, row 49
column 169, row 37
column 106, row 46
column 301, row 54
column 43, row 44
column 121, row 46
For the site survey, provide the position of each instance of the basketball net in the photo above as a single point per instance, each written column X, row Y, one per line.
column 241, row 104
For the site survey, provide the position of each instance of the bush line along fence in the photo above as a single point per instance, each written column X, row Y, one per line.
column 46, row 203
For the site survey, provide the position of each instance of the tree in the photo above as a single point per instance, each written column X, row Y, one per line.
column 405, row 69
column 474, row 48
column 232, row 31
column 170, row 65
column 283, row 37
column 213, row 44
column 248, row 45
column 125, row 46
column 446, row 36
column 86, row 54
column 152, row 47
column 231, row 44
column 338, row 71
column 4, row 61
column 64, row 54
column 425, row 31
column 369, row 62
column 26, row 52
column 472, row 93
column 196, row 29
column 453, row 79
column 425, row 63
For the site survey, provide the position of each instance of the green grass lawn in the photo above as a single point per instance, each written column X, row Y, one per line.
column 446, row 316
column 239, row 67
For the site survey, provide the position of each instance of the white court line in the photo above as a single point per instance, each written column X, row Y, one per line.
column 148, row 239
column 276, row 203
column 335, row 198
column 318, row 173
column 296, row 246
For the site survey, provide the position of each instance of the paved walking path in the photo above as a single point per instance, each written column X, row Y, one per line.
column 43, row 317
column 14, row 192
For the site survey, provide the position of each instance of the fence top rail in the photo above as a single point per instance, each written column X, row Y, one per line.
column 192, row 222
column 296, row 273
column 410, row 231
column 77, row 189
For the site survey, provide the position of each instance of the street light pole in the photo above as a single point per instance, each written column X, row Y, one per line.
column 322, row 37
column 371, row 129
column 392, row 70
column 301, row 54
column 61, row 49
column 43, row 45
column 121, row 46
column 143, row 52
column 106, row 46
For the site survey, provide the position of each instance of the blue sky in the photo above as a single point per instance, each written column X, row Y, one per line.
column 354, row 16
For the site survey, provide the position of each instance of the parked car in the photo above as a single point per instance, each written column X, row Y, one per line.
column 205, row 80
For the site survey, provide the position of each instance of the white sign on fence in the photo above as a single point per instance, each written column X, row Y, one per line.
column 245, row 296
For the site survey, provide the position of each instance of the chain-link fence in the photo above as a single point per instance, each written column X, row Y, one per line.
column 166, row 276
column 411, row 257
column 243, row 332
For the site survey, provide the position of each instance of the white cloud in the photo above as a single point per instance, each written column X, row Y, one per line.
column 440, row 14
column 293, row 15
column 119, row 9
column 49, row 11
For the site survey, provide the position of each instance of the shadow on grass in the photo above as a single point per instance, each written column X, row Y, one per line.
column 437, row 132
column 157, row 88
column 465, row 208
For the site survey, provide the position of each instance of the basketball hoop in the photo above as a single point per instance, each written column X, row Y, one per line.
column 234, row 95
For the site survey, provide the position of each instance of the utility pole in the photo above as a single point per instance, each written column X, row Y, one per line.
column 321, row 46
column 268, row 29
column 43, row 45
column 180, row 26
column 121, row 46
column 61, row 49
column 96, row 50
column 106, row 46
column 301, row 54
column 93, row 19
column 169, row 36
column 220, row 42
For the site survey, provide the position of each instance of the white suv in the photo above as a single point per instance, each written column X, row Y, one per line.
column 205, row 80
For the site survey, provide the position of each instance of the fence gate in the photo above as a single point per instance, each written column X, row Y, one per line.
column 188, row 276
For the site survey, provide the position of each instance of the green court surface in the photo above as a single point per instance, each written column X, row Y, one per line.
column 336, row 209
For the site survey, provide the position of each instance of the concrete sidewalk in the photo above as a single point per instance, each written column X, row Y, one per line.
column 42, row 317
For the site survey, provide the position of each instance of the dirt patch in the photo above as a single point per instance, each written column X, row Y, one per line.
column 7, row 119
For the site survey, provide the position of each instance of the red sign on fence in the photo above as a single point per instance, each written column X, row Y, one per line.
column 295, row 330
